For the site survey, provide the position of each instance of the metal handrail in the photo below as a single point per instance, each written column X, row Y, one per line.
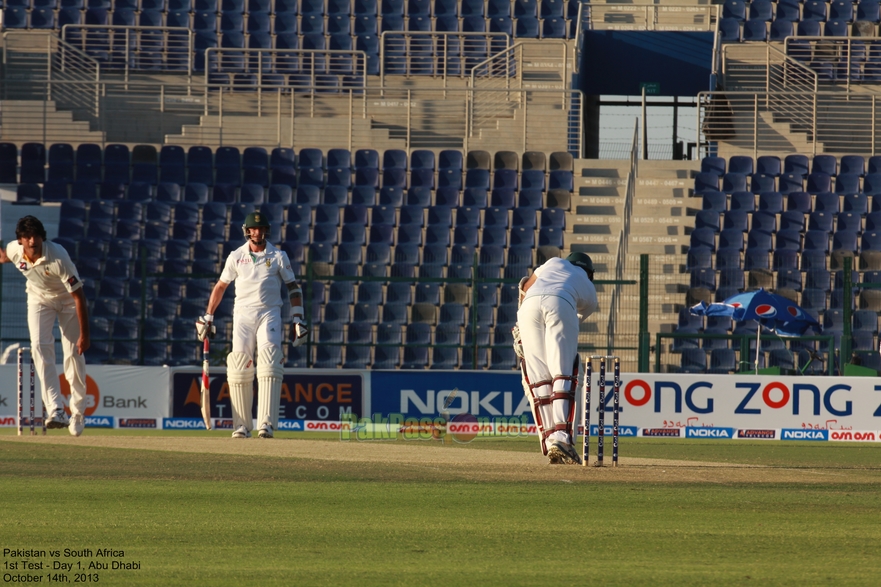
column 649, row 17
column 823, row 121
column 624, row 235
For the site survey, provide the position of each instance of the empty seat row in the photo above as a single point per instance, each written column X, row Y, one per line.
column 117, row 163
column 208, row 24
column 825, row 220
column 725, row 361
column 792, row 163
column 860, row 203
column 799, row 10
column 411, row 8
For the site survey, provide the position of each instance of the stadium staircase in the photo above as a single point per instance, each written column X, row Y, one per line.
column 660, row 225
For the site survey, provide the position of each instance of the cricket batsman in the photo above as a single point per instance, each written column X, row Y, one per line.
column 554, row 300
column 260, row 270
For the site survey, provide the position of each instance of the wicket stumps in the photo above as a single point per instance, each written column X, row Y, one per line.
column 33, row 393
column 601, row 417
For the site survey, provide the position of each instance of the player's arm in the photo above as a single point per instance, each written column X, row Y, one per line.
column 299, row 329
column 296, row 297
column 82, row 315
column 3, row 257
column 216, row 296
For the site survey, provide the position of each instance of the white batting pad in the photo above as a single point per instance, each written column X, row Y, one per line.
column 240, row 376
column 270, row 372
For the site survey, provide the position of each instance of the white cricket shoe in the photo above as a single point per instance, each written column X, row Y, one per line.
column 241, row 432
column 77, row 425
column 58, row 420
column 265, row 431
column 563, row 453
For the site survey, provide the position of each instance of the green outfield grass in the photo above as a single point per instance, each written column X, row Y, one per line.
column 221, row 519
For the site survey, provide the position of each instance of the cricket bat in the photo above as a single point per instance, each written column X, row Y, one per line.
column 206, row 394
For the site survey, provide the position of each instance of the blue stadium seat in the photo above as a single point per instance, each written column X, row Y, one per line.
column 792, row 220
column 703, row 219
column 735, row 9
column 781, row 29
column 760, row 182
column 729, row 29
column 818, row 182
column 799, row 201
column 763, row 221
column 714, row 164
column 826, row 201
column 816, row 240
column 228, row 166
column 855, row 164
column 701, row 258
column 824, row 163
column 742, row 201
column 693, row 360
column 788, row 183
column 734, row 182
column 814, row 10
column 821, row 220
column 527, row 27
column 554, row 28
column 280, row 194
column 755, row 30
column 869, row 11
column 855, row 202
column 706, row 182
column 841, row 10
column 796, row 163
column 836, row 28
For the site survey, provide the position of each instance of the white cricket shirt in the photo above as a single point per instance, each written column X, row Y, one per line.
column 53, row 274
column 258, row 276
column 559, row 277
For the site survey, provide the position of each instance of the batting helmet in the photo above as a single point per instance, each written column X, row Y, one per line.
column 255, row 220
column 583, row 261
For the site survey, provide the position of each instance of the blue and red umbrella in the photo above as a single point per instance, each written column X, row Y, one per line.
column 771, row 311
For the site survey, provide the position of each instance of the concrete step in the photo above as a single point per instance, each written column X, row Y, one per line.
column 20, row 118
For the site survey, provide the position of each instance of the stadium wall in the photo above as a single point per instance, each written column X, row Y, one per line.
column 489, row 403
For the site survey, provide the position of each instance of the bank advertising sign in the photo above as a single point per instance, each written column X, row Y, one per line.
column 115, row 394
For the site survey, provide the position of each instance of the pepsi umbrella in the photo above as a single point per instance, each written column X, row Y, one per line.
column 771, row 311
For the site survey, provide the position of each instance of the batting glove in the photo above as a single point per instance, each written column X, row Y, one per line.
column 299, row 330
column 205, row 327
column 518, row 344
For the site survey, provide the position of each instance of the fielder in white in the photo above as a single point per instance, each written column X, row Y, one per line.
column 55, row 291
column 554, row 300
column 259, row 269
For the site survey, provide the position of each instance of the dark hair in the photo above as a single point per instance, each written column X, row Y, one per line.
column 30, row 226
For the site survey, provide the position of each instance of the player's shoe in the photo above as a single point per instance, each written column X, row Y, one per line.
column 58, row 420
column 77, row 425
column 555, row 457
column 265, row 431
column 241, row 432
column 563, row 453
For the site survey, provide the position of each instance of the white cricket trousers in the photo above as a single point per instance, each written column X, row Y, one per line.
column 549, row 329
column 42, row 314
column 256, row 327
